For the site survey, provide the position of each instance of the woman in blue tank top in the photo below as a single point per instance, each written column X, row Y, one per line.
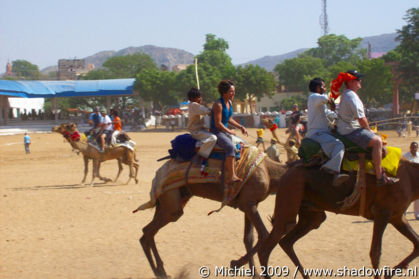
column 222, row 111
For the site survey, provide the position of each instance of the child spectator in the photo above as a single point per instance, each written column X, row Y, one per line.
column 260, row 140
column 292, row 151
column 196, row 126
column 273, row 151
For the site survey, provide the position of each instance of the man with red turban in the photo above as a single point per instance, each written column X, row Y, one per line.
column 353, row 124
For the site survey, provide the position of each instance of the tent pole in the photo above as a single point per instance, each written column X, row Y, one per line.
column 55, row 109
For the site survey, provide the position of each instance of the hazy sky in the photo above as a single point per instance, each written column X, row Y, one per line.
column 43, row 31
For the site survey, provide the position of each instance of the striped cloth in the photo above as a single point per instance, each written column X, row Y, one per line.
column 172, row 174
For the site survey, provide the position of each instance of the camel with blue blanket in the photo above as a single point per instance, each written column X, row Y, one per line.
column 179, row 180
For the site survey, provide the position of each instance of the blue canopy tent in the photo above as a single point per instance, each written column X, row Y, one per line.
column 67, row 88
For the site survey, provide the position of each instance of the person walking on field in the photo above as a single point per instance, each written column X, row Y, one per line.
column 27, row 142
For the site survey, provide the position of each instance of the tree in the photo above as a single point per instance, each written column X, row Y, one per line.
column 254, row 81
column 214, row 64
column 157, row 86
column 377, row 84
column 409, row 50
column 23, row 69
column 289, row 102
column 333, row 48
column 296, row 73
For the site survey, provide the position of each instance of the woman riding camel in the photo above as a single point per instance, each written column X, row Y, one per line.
column 222, row 111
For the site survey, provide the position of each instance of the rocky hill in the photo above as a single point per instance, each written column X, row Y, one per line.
column 160, row 55
column 380, row 43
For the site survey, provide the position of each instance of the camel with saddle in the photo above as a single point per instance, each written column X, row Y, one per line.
column 122, row 152
column 176, row 182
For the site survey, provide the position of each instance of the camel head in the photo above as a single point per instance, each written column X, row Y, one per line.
column 68, row 130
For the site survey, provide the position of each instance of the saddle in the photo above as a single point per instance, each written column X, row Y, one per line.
column 311, row 149
column 185, row 147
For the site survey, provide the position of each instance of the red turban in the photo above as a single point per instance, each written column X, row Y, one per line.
column 337, row 83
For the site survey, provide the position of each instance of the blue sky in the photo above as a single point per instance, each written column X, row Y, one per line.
column 44, row 31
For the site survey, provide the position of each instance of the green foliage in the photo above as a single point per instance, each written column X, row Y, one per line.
column 409, row 50
column 377, row 85
column 214, row 64
column 296, row 73
column 157, row 86
column 127, row 66
column 254, row 81
column 23, row 69
column 333, row 48
column 289, row 102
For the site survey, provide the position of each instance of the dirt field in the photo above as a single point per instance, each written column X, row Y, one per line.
column 51, row 227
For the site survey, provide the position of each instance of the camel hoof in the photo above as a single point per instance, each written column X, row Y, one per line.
column 234, row 264
column 136, row 181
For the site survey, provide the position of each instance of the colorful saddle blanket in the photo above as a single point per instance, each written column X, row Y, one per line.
column 310, row 148
column 174, row 174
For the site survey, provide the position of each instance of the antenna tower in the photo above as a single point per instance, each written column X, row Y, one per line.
column 323, row 19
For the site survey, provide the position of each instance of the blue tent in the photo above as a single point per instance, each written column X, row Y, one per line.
column 68, row 88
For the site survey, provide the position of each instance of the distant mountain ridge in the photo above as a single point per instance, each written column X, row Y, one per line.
column 161, row 56
column 173, row 56
column 379, row 43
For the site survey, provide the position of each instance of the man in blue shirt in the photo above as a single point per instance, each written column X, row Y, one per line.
column 27, row 142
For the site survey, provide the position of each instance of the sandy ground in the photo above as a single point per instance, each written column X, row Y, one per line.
column 51, row 227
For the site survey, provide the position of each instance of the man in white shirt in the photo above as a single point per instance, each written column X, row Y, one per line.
column 353, row 124
column 106, row 129
column 413, row 156
column 318, row 130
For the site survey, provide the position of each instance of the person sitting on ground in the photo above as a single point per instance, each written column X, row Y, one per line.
column 318, row 130
column 222, row 110
column 105, row 130
column 196, row 125
column 273, row 151
column 354, row 125
column 292, row 152
column 259, row 140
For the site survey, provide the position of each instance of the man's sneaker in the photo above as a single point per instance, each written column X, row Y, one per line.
column 101, row 150
column 339, row 179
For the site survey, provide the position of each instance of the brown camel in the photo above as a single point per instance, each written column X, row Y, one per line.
column 309, row 193
column 121, row 153
column 169, row 208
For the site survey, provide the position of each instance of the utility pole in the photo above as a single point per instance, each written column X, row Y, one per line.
column 323, row 19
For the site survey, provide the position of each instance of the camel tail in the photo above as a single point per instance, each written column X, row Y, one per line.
column 147, row 205
column 135, row 157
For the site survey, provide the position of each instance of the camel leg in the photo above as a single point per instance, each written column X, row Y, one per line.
column 136, row 166
column 168, row 209
column 307, row 221
column 119, row 169
column 405, row 229
column 381, row 219
column 131, row 172
column 86, row 169
column 248, row 239
column 252, row 218
column 287, row 207
column 96, row 164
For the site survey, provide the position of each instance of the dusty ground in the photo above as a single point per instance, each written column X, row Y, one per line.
column 51, row 227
